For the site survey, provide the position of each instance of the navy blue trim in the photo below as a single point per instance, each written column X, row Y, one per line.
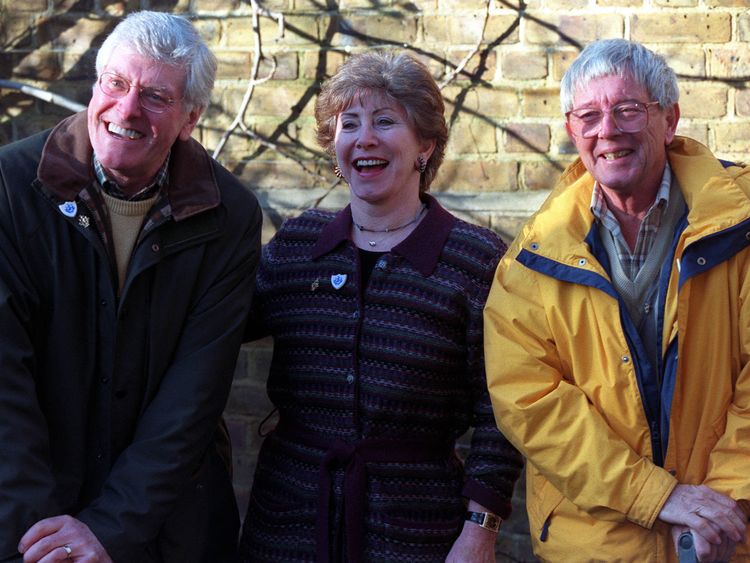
column 727, row 163
column 564, row 272
column 714, row 249
column 667, row 388
column 667, row 365
column 645, row 375
column 545, row 529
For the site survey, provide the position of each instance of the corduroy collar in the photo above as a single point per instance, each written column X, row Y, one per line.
column 65, row 169
column 422, row 247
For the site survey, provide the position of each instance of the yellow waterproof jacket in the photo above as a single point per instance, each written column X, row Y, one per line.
column 570, row 388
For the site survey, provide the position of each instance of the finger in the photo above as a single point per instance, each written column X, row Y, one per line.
column 40, row 530
column 49, row 548
column 57, row 554
column 704, row 550
column 727, row 521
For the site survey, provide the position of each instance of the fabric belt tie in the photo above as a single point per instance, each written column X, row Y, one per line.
column 354, row 456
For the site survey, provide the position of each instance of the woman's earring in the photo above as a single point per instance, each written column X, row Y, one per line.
column 337, row 171
column 421, row 164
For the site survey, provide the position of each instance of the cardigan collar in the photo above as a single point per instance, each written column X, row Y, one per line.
column 422, row 248
column 65, row 169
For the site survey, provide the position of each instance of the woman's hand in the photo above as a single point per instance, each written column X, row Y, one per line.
column 474, row 545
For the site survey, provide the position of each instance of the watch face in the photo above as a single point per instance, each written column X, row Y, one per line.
column 492, row 522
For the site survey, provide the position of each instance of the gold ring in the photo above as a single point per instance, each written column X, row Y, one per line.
column 68, row 551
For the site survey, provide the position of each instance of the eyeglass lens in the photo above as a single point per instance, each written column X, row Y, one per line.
column 149, row 98
column 628, row 118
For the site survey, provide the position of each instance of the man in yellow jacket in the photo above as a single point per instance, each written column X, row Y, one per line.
column 617, row 331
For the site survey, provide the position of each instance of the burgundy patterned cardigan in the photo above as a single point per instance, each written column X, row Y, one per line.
column 372, row 392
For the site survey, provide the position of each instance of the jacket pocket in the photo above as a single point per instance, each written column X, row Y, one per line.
column 543, row 499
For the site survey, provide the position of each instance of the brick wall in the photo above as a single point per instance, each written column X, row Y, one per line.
column 507, row 141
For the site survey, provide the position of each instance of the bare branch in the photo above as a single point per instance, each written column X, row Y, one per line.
column 254, row 81
column 460, row 67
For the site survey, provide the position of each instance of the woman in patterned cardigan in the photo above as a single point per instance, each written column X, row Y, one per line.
column 376, row 316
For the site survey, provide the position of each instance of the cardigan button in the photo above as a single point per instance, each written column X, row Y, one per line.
column 155, row 247
column 625, row 359
column 350, row 379
column 701, row 261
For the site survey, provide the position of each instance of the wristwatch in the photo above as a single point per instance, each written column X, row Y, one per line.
column 486, row 520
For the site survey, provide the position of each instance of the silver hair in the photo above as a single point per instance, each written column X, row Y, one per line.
column 619, row 57
column 167, row 39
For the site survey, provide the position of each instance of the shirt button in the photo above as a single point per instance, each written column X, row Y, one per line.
column 381, row 264
column 350, row 379
column 155, row 247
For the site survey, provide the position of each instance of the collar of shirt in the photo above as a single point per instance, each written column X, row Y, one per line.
column 422, row 247
column 161, row 179
column 652, row 218
column 632, row 261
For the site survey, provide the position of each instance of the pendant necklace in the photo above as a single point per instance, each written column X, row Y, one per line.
column 388, row 230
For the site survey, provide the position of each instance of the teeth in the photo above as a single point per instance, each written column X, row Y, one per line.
column 370, row 162
column 129, row 133
column 614, row 155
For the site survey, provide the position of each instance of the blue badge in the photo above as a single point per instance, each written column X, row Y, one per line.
column 69, row 208
column 338, row 281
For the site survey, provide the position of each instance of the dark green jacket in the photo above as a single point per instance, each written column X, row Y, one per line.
column 110, row 405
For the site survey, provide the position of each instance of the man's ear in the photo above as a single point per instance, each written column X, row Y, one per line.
column 192, row 120
column 673, row 117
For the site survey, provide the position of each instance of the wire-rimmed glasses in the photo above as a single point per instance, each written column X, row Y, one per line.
column 629, row 117
column 150, row 99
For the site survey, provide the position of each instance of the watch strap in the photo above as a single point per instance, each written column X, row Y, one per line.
column 486, row 520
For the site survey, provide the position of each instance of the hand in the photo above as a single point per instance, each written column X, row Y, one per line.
column 704, row 550
column 711, row 516
column 46, row 541
column 474, row 545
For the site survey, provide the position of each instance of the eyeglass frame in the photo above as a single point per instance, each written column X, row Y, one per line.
column 170, row 101
column 645, row 105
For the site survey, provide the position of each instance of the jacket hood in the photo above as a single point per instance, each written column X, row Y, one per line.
column 65, row 168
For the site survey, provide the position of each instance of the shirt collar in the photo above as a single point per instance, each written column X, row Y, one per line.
column 599, row 203
column 421, row 248
column 112, row 188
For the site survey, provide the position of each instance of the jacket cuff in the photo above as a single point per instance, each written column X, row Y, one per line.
column 495, row 503
column 651, row 498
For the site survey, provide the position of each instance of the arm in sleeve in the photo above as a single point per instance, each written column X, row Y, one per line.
column 178, row 424
column 26, row 479
column 549, row 419
column 493, row 465
column 729, row 462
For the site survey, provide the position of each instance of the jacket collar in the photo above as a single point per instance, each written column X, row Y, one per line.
column 65, row 169
column 422, row 248
column 717, row 198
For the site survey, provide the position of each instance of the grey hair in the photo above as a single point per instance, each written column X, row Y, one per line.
column 167, row 39
column 619, row 57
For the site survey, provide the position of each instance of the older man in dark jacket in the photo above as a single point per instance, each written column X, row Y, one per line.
column 127, row 259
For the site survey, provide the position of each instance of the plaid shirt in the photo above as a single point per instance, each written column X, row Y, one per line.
column 158, row 214
column 161, row 179
column 633, row 261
